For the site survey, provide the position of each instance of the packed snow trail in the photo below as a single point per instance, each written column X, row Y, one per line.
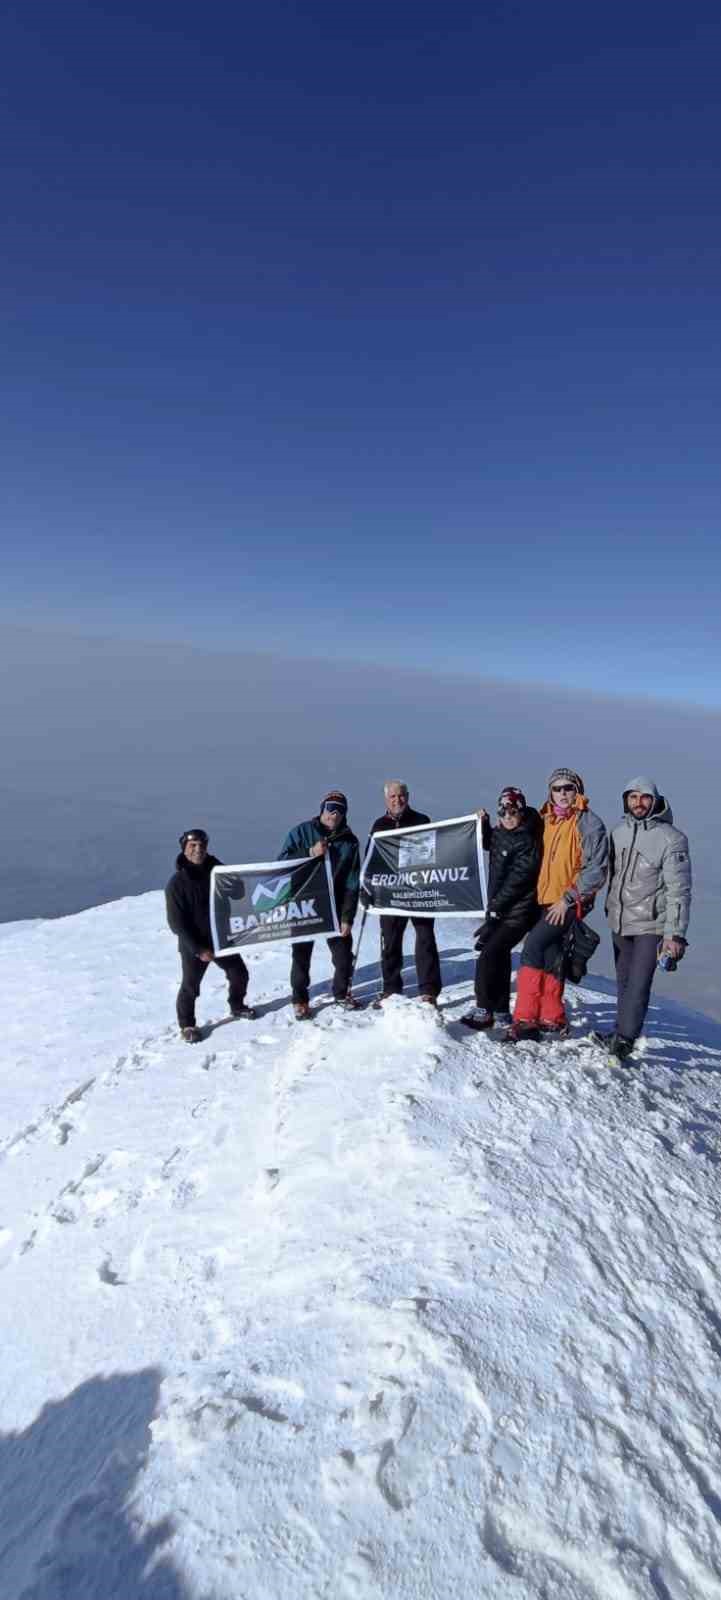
column 369, row 1307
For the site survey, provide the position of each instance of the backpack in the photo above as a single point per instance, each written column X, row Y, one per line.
column 579, row 946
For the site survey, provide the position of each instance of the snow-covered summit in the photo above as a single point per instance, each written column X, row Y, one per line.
column 364, row 1307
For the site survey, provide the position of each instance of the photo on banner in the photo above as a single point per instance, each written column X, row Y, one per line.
column 263, row 902
column 433, row 870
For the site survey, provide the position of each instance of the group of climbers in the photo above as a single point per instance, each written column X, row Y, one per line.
column 545, row 870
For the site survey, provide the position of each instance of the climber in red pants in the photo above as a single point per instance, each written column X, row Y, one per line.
column 574, row 865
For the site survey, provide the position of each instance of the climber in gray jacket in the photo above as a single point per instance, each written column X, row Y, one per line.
column 648, row 901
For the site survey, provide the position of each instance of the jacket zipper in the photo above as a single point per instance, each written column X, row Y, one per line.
column 624, row 876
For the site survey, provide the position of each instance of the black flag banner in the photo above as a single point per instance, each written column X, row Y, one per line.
column 435, row 870
column 270, row 900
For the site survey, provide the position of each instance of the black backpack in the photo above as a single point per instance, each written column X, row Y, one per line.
column 579, row 946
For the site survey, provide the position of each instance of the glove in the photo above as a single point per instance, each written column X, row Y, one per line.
column 481, row 934
column 365, row 899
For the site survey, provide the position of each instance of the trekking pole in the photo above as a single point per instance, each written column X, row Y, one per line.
column 357, row 949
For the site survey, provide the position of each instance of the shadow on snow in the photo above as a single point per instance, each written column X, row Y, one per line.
column 67, row 1528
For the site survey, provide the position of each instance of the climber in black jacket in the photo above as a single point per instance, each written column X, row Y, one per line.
column 514, row 847
column 187, row 900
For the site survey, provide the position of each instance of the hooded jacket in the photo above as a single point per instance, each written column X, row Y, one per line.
column 187, row 903
column 650, row 878
column 575, row 855
column 344, row 853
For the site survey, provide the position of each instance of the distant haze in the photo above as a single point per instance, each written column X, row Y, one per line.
column 110, row 749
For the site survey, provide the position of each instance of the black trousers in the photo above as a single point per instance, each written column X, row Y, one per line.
column 493, row 967
column 341, row 950
column 635, row 957
column 428, row 966
column 543, row 946
column 194, row 972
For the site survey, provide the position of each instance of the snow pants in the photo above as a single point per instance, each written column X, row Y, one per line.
column 635, row 956
column 341, row 950
column 194, row 972
column 428, row 966
column 539, row 994
column 493, row 967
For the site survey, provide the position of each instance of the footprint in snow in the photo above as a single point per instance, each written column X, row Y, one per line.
column 107, row 1275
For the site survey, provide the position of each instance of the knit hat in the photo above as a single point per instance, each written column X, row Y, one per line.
column 337, row 797
column 565, row 775
column 512, row 797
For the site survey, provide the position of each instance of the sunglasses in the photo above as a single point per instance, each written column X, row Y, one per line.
column 509, row 811
column 563, row 788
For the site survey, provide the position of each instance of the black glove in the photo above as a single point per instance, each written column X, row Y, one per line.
column 481, row 934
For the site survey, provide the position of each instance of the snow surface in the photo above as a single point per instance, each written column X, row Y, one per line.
column 357, row 1308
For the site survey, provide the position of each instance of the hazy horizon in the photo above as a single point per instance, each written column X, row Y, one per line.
column 113, row 747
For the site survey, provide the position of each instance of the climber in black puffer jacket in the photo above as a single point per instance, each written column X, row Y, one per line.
column 187, row 900
column 514, row 848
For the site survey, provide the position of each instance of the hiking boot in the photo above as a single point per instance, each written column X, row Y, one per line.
column 248, row 1013
column 521, row 1032
column 348, row 1003
column 478, row 1018
column 622, row 1048
column 555, row 1030
column 608, row 1040
column 301, row 1010
column 380, row 998
column 191, row 1035
column 428, row 999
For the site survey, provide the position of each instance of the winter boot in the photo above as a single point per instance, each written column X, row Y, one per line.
column 503, row 1019
column 478, row 1018
column 555, row 1030
column 347, row 1002
column 301, row 1010
column 622, row 1048
column 191, row 1035
column 521, row 1032
column 244, row 1012
column 608, row 1040
column 428, row 999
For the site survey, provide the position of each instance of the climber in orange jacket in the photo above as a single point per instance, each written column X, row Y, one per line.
column 574, row 865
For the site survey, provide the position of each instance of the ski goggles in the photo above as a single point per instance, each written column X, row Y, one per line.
column 336, row 807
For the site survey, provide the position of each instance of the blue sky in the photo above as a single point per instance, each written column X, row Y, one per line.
column 383, row 333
